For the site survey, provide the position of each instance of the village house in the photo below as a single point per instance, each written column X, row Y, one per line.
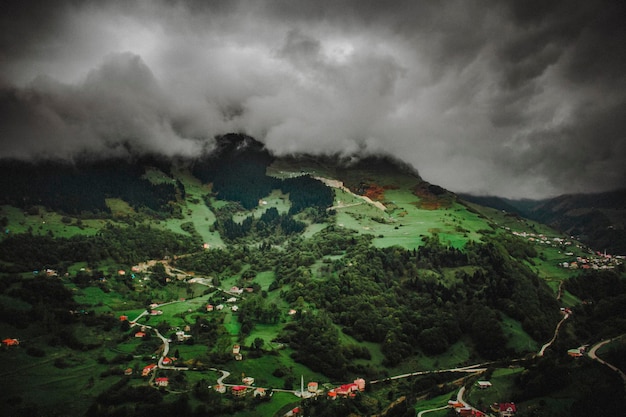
column 294, row 412
column 260, row 392
column 181, row 336
column 239, row 391
column 146, row 370
column 220, row 388
column 231, row 300
column 128, row 371
column 483, row 384
column 234, row 308
column 236, row 349
column 123, row 318
column 140, row 334
column 248, row 380
column 10, row 342
column 348, row 390
column 575, row 353
column 219, row 307
column 209, row 307
column 312, row 386
column 507, row 409
column 167, row 361
column 162, row 382
column 236, row 290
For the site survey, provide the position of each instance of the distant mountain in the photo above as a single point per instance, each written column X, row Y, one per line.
column 597, row 219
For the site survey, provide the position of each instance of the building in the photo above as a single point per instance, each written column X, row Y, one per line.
column 260, row 392
column 220, row 388
column 575, row 353
column 140, row 334
column 146, row 370
column 162, row 382
column 181, row 336
column 239, row 390
column 294, row 412
column 128, row 371
column 10, row 342
column 312, row 386
column 248, row 380
column 209, row 307
column 483, row 384
column 507, row 409
column 236, row 349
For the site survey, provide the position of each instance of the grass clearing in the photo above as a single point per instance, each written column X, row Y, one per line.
column 503, row 384
column 436, row 402
column 516, row 338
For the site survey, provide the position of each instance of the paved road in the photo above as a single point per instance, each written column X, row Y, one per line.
column 468, row 369
column 421, row 413
column 593, row 355
column 556, row 333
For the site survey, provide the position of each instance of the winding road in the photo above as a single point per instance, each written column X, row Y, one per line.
column 556, row 333
column 593, row 355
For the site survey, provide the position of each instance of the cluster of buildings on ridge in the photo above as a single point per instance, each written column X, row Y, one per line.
column 594, row 261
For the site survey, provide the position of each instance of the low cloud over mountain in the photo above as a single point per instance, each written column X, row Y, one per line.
column 519, row 99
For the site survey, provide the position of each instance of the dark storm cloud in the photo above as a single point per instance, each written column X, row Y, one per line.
column 506, row 97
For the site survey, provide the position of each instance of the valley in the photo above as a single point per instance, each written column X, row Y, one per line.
column 263, row 271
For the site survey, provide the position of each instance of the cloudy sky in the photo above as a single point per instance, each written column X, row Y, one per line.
column 512, row 98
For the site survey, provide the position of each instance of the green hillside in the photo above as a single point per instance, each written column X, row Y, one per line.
column 318, row 270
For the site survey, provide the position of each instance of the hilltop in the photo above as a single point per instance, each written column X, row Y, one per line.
column 239, row 263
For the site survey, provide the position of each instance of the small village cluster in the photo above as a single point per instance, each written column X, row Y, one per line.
column 597, row 260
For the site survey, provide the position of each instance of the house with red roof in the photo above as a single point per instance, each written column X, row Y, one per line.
column 347, row 390
column 10, row 342
column 507, row 409
column 239, row 390
column 123, row 318
column 140, row 334
column 162, row 382
column 294, row 412
column 146, row 370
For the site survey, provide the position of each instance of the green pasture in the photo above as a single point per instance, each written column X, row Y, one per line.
column 156, row 176
column 47, row 222
column 516, row 338
column 261, row 370
column 267, row 332
column 101, row 301
column 196, row 211
column 54, row 390
column 458, row 354
column 435, row 402
column 406, row 224
column 270, row 408
column 264, row 279
column 503, row 385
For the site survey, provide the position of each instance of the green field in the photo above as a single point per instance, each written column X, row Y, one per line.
column 503, row 383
